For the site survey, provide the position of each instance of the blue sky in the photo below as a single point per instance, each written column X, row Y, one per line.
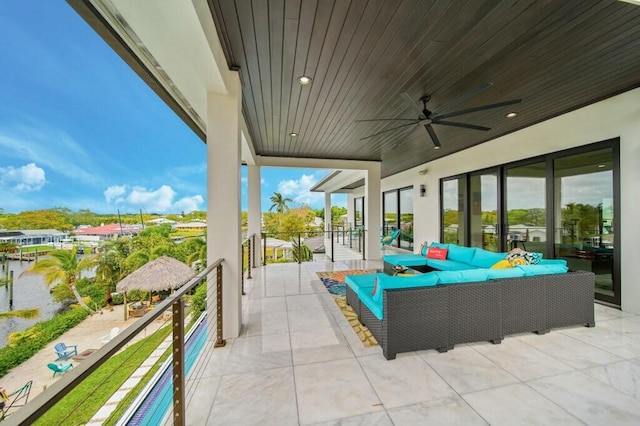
column 79, row 129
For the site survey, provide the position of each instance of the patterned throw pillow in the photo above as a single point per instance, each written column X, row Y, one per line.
column 520, row 257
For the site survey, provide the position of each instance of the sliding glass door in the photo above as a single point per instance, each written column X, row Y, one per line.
column 484, row 220
column 565, row 205
column 584, row 216
column 453, row 222
column 525, row 199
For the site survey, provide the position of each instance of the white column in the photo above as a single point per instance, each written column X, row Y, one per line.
column 372, row 213
column 223, row 200
column 255, row 209
column 327, row 211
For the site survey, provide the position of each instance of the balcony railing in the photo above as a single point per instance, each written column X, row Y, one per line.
column 341, row 243
column 172, row 310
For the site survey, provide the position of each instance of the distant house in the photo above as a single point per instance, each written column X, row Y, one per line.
column 161, row 221
column 96, row 234
column 190, row 226
column 27, row 237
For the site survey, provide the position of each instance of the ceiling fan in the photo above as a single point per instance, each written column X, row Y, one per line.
column 427, row 118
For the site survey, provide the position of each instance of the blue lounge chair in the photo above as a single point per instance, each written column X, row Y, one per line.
column 59, row 368
column 64, row 352
column 385, row 240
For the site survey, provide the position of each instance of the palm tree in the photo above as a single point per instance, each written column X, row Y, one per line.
column 279, row 202
column 63, row 267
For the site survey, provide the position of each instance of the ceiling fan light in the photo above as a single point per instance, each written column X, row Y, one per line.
column 304, row 80
column 511, row 114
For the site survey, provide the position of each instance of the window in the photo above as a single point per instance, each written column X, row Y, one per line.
column 359, row 212
column 563, row 205
column 452, row 220
column 397, row 208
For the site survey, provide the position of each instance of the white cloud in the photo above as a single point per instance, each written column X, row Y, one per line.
column 157, row 201
column 25, row 178
column 114, row 193
column 188, row 204
column 299, row 190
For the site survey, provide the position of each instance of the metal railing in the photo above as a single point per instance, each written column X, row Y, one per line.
column 213, row 274
column 249, row 243
column 338, row 244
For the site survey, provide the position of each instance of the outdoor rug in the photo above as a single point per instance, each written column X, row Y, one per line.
column 334, row 282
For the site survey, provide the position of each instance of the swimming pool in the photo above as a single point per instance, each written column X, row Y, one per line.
column 152, row 409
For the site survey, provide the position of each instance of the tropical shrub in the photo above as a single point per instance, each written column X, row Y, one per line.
column 23, row 345
column 199, row 299
column 301, row 252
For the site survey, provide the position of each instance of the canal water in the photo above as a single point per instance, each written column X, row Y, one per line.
column 29, row 291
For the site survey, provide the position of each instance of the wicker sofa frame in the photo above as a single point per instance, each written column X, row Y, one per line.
column 439, row 317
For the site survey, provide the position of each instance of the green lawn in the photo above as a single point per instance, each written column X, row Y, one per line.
column 86, row 399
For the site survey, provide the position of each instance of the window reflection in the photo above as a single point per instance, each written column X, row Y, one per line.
column 453, row 228
column 526, row 212
column 584, row 231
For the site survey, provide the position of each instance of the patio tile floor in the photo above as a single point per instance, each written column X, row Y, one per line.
column 298, row 362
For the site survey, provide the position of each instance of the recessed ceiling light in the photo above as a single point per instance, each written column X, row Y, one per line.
column 293, row 134
column 512, row 114
column 601, row 166
column 436, row 147
column 304, row 80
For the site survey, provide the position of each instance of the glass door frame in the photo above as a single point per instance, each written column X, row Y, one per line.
column 548, row 159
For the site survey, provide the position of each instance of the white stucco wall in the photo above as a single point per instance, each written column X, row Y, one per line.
column 618, row 116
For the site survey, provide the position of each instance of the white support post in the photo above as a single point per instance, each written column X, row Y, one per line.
column 255, row 210
column 372, row 213
column 327, row 212
column 223, row 203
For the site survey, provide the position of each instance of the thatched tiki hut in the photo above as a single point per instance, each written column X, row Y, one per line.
column 163, row 273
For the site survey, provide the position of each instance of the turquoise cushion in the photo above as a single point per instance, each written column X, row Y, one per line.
column 461, row 254
column 375, row 306
column 474, row 275
column 532, row 270
column 486, row 259
column 505, row 273
column 357, row 281
column 440, row 245
column 447, row 265
column 467, row 276
column 405, row 259
column 448, row 277
column 387, row 282
column 553, row 262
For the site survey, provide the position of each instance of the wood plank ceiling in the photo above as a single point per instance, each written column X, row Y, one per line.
column 362, row 55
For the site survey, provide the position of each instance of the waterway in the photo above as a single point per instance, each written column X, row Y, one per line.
column 29, row 291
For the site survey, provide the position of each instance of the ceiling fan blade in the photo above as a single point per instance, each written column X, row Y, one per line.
column 387, row 119
column 414, row 105
column 388, row 130
column 433, row 135
column 475, row 109
column 462, row 98
column 465, row 125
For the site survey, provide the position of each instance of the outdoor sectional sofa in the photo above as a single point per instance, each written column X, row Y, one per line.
column 439, row 309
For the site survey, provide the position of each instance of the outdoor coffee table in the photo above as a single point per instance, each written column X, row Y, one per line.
column 405, row 270
column 83, row 355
